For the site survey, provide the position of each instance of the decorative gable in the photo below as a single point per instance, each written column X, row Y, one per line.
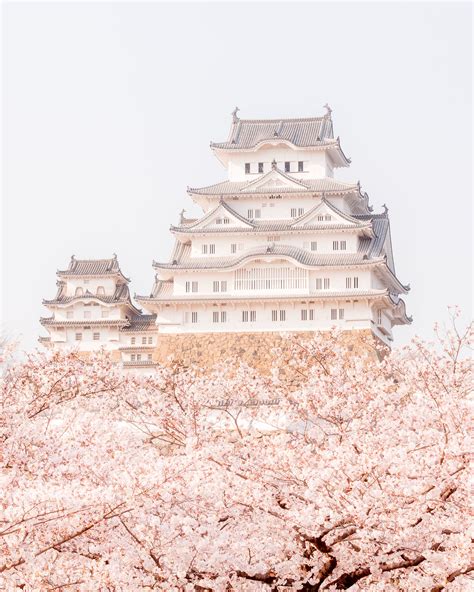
column 324, row 213
column 275, row 179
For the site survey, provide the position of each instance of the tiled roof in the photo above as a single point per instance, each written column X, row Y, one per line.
column 326, row 184
column 51, row 321
column 139, row 364
column 247, row 133
column 92, row 267
column 271, row 225
column 141, row 323
column 303, row 256
column 121, row 295
column 319, row 295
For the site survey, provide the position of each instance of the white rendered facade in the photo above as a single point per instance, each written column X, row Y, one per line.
column 281, row 245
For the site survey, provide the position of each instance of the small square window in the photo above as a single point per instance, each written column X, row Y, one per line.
column 143, row 340
column 300, row 166
column 96, row 336
column 247, row 168
column 150, row 357
column 314, row 246
column 333, row 314
column 260, row 167
column 150, row 340
column 132, row 340
column 287, row 167
column 78, row 336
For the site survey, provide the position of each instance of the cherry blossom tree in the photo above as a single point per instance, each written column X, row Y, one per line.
column 356, row 478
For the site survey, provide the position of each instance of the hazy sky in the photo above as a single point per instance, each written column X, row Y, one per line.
column 108, row 110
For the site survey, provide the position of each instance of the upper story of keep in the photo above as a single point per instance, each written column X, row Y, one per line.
column 304, row 148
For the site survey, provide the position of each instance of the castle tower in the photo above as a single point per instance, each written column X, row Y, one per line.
column 93, row 310
column 282, row 246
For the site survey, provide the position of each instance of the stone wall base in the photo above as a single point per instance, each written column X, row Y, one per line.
column 206, row 350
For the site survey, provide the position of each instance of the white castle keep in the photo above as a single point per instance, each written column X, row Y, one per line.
column 282, row 246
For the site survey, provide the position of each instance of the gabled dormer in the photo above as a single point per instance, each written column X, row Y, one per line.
column 222, row 216
column 326, row 213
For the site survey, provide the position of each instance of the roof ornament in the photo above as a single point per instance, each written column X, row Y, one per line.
column 114, row 256
column 274, row 165
column 328, row 110
column 235, row 119
column 181, row 216
column 385, row 209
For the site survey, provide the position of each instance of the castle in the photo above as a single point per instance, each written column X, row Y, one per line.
column 282, row 246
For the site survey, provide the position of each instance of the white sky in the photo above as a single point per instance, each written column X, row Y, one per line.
column 108, row 110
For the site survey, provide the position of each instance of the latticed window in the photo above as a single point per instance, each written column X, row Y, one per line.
column 274, row 315
column 150, row 340
column 333, row 314
column 212, row 249
column 78, row 336
column 327, row 283
column 260, row 167
column 300, row 166
column 379, row 317
column 100, row 290
column 247, row 168
column 233, row 248
column 144, row 340
column 349, row 283
column 343, row 245
column 314, row 245
column 282, row 315
column 287, row 167
column 194, row 317
column 96, row 336
column 270, row 278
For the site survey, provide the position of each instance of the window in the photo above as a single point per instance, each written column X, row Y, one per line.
column 194, row 317
column 224, row 286
column 274, row 315
column 139, row 357
column 233, row 248
column 335, row 245
column 379, row 317
column 287, row 167
column 343, row 245
column 311, row 315
column 219, row 317
column 314, row 246
column 282, row 315
column 293, row 212
column 70, row 314
column 150, row 357
column 104, row 314
column 132, row 357
column 96, row 336
column 270, row 278
column 348, row 283
column 215, row 286
column 204, row 249
column 260, row 167
column 247, row 168
column 272, row 238
column 258, row 213
column 320, row 218
column 87, row 314
column 356, row 282
column 304, row 314
column 341, row 313
column 212, row 249
column 328, row 217
column 150, row 340
column 188, row 286
column 326, row 283
column 194, row 286
column 218, row 221
column 333, row 314
column 86, row 281
column 250, row 214
column 300, row 166
column 300, row 211
column 143, row 340
column 78, row 336
column 319, row 284
column 79, row 291
column 100, row 291
column 226, row 220
column 249, row 315
column 132, row 340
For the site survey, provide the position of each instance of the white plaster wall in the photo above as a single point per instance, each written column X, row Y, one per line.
column 315, row 162
column 248, row 241
column 90, row 284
